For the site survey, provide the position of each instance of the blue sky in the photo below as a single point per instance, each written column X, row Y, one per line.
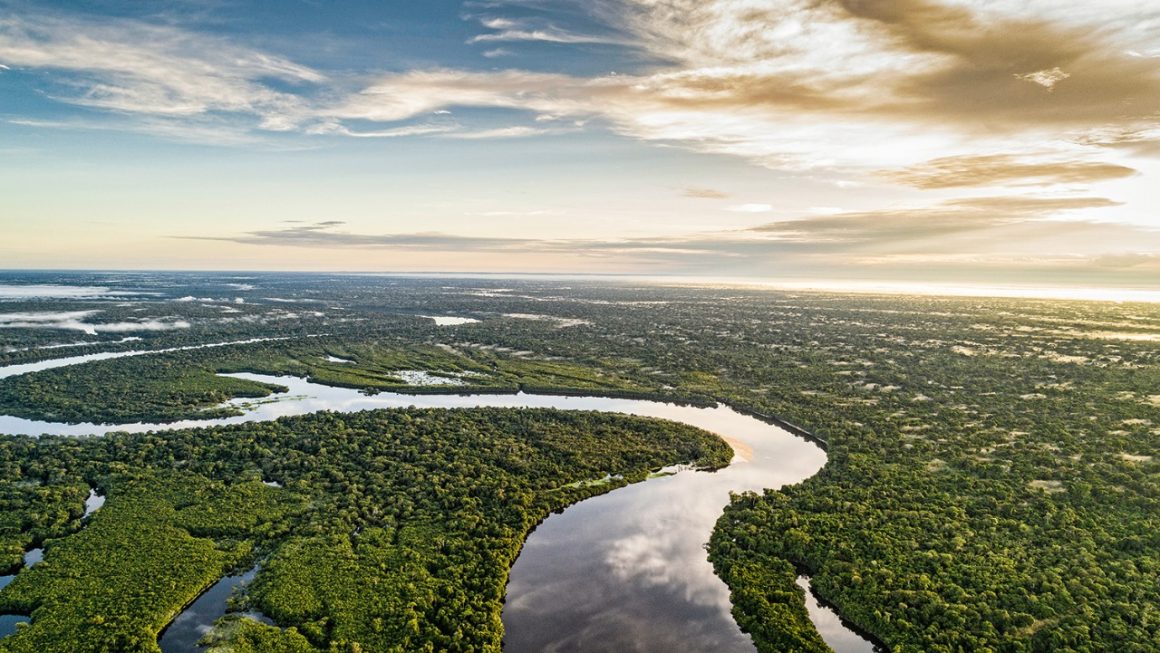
column 953, row 141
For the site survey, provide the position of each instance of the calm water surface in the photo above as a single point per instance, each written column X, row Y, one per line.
column 33, row 556
column 93, row 503
column 627, row 571
column 183, row 633
column 624, row 571
column 8, row 621
column 836, row 632
column 51, row 363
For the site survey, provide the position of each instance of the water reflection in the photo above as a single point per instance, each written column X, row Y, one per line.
column 183, row 633
column 304, row 397
column 613, row 573
column 449, row 320
column 637, row 577
column 93, row 503
column 624, row 571
column 835, row 631
column 8, row 623
column 52, row 363
column 32, row 557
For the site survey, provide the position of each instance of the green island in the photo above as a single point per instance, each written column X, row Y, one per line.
column 993, row 481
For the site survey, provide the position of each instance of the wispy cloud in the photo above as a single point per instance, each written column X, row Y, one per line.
column 931, row 95
column 855, row 84
column 525, row 29
column 324, row 235
column 705, row 193
column 978, row 238
column 761, row 82
column 989, row 170
column 547, row 35
column 407, row 95
column 838, row 84
column 334, row 127
column 501, row 132
column 1045, row 78
column 191, row 130
column 155, row 70
column 901, row 228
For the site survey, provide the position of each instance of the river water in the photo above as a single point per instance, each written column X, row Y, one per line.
column 183, row 633
column 624, row 571
column 52, row 363
column 32, row 557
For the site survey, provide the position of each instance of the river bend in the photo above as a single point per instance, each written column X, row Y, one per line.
column 624, row 571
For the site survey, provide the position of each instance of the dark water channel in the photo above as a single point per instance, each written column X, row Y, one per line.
column 183, row 633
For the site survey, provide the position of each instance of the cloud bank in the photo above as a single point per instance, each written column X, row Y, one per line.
column 796, row 83
column 1003, row 115
column 996, row 239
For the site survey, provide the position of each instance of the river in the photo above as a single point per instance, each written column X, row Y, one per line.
column 623, row 571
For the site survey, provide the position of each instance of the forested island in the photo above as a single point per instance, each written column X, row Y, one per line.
column 992, row 481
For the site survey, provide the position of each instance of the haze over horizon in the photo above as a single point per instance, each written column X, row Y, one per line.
column 914, row 141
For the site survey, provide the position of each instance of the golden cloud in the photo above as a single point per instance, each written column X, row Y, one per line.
column 993, row 169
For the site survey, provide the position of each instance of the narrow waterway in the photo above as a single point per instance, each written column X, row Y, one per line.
column 624, row 571
column 183, row 633
column 8, row 622
column 53, row 363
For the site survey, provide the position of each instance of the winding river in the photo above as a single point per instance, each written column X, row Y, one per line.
column 623, row 571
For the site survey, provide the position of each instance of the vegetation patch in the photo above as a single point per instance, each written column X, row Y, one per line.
column 392, row 530
column 148, row 552
column 925, row 528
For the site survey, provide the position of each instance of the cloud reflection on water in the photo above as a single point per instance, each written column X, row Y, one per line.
column 623, row 571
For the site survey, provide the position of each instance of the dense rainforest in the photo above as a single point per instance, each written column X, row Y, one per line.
column 377, row 531
column 992, row 483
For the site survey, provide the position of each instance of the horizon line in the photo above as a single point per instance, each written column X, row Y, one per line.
column 1074, row 292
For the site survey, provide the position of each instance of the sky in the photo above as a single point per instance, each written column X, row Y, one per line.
column 927, row 141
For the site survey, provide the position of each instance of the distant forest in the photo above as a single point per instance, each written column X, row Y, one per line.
column 992, row 482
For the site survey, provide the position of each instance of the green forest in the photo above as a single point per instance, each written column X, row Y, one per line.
column 391, row 531
column 993, row 481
